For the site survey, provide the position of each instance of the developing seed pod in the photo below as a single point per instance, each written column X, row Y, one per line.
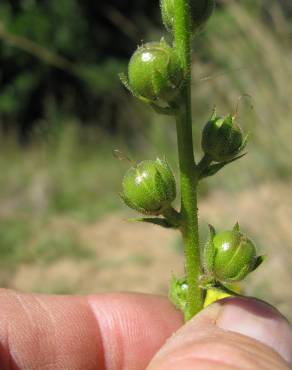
column 178, row 292
column 149, row 187
column 154, row 72
column 178, row 295
column 230, row 256
column 201, row 11
column 222, row 138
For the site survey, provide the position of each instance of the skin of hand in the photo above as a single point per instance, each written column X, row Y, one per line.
column 123, row 331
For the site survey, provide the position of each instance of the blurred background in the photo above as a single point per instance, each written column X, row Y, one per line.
column 63, row 111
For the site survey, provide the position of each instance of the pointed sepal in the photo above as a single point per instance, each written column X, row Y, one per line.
column 236, row 228
column 214, row 168
column 163, row 222
column 258, row 262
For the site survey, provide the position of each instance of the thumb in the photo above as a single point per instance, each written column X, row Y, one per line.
column 235, row 333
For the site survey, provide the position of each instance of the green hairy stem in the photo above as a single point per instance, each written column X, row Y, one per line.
column 188, row 173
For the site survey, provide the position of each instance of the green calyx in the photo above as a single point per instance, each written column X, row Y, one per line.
column 178, row 294
column 154, row 73
column 201, row 11
column 222, row 138
column 229, row 256
column 149, row 187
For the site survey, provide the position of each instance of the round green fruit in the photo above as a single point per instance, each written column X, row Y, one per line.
column 149, row 187
column 230, row 256
column 154, row 72
column 222, row 138
column 201, row 10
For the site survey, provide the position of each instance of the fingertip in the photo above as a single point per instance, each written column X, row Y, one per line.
column 238, row 333
column 258, row 320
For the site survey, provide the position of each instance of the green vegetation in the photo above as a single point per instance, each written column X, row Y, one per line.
column 61, row 179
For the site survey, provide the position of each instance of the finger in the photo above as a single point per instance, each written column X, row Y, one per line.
column 238, row 333
column 107, row 331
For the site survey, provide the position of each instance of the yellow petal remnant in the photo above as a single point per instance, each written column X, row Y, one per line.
column 214, row 295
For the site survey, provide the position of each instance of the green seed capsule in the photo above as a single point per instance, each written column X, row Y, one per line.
column 149, row 187
column 178, row 292
column 201, row 11
column 154, row 72
column 222, row 138
column 230, row 256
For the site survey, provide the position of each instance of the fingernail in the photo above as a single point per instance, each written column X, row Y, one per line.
column 259, row 321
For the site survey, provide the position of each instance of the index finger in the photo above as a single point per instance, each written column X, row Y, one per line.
column 105, row 332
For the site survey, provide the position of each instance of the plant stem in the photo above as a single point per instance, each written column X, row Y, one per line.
column 188, row 169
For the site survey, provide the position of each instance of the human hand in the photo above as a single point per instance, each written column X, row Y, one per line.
column 233, row 334
column 124, row 331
